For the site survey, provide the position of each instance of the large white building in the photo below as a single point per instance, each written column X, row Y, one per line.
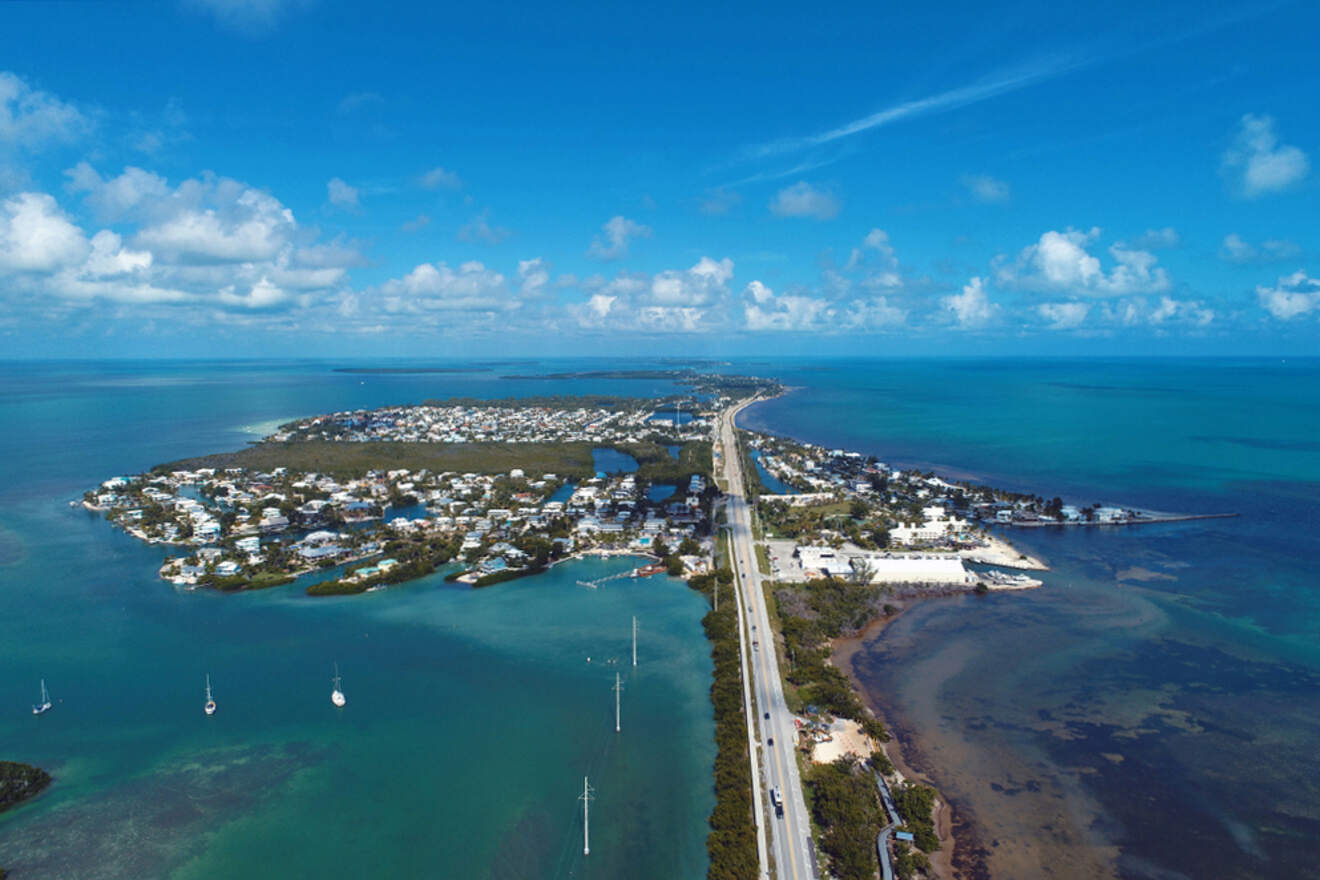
column 937, row 525
column 885, row 568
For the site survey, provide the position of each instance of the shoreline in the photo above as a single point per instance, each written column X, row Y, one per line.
column 955, row 833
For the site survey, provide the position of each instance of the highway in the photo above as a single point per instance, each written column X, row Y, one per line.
column 794, row 854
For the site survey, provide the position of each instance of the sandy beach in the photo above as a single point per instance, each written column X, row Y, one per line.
column 999, row 552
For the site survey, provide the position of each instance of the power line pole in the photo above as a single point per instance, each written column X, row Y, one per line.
column 586, row 798
column 634, row 640
column 618, row 689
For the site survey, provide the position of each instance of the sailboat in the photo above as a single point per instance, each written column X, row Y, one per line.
column 337, row 696
column 209, row 707
column 45, row 704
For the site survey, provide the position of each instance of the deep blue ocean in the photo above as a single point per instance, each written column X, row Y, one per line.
column 1153, row 711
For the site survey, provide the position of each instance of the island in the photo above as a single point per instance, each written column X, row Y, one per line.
column 19, row 783
column 837, row 543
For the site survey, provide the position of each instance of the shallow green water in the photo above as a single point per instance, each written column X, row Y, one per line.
column 472, row 716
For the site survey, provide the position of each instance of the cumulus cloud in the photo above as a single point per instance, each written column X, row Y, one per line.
column 480, row 230
column 614, row 238
column 814, row 312
column 36, row 236
column 1063, row 315
column 1258, row 164
column 31, row 118
column 434, row 287
column 341, row 194
column 1061, row 262
column 985, row 188
column 1237, row 249
column 440, row 178
column 210, row 241
column 692, row 300
column 971, row 308
column 1168, row 310
column 804, row 200
column 1293, row 296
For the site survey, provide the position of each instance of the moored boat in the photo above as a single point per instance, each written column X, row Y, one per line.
column 45, row 705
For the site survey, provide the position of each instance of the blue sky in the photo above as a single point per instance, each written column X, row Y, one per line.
column 309, row 177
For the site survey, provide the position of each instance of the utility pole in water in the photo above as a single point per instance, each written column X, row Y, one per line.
column 586, row 798
column 618, row 689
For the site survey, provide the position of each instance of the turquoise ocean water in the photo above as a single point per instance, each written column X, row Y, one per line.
column 472, row 717
column 1154, row 710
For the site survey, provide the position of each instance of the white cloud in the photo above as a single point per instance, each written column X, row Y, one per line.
column 1293, row 296
column 109, row 258
column 787, row 313
column 982, row 90
column 614, row 238
column 440, row 178
column 700, row 285
column 534, row 275
column 31, row 118
column 985, row 188
column 262, row 294
column 872, row 313
column 1169, row 309
column 877, row 255
column 341, row 194
column 416, row 223
column 36, row 236
column 119, row 197
column 971, row 308
column 1236, row 249
column 1060, row 262
column 254, row 227
column 1258, row 164
column 480, row 230
column 1063, row 315
column 758, row 293
column 437, row 287
column 804, row 200
column 803, row 312
column 210, row 242
column 693, row 300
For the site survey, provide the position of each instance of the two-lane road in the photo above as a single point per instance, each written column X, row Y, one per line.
column 794, row 854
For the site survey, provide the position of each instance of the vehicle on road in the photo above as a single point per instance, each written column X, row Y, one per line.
column 777, row 799
column 770, row 741
column 767, row 716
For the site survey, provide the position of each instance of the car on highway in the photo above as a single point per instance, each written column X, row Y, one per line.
column 767, row 715
column 770, row 741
